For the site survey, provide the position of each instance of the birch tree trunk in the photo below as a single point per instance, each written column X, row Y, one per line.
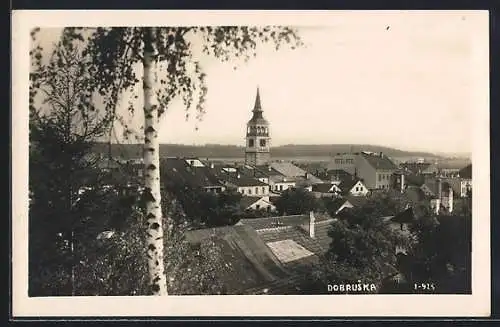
column 154, row 234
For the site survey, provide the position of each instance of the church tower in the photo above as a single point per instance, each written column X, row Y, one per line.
column 257, row 150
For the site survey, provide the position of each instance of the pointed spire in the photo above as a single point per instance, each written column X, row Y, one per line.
column 257, row 106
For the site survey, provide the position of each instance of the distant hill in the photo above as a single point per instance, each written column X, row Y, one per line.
column 233, row 151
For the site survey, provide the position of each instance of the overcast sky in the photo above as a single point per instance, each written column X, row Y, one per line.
column 400, row 80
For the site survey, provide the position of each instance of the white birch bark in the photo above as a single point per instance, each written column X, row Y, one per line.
column 154, row 237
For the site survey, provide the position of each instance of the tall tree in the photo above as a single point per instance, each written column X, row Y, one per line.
column 117, row 52
column 63, row 124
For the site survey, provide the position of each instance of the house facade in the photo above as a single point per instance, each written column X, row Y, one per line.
column 374, row 169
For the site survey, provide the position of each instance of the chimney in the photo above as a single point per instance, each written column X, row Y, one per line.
column 312, row 220
column 212, row 165
column 450, row 199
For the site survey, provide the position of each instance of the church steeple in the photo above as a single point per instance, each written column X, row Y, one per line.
column 257, row 106
column 257, row 151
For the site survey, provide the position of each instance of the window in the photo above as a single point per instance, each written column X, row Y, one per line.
column 263, row 190
column 256, row 190
column 249, row 191
column 257, row 206
column 262, row 142
column 251, row 143
column 379, row 178
column 281, row 187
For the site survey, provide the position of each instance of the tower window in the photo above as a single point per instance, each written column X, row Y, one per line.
column 262, row 142
column 250, row 143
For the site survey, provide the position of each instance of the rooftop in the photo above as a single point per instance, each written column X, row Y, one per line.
column 379, row 161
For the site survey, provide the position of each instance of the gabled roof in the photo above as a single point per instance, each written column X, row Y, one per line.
column 268, row 170
column 247, row 201
column 347, row 184
column 252, row 263
column 379, row 162
column 290, row 170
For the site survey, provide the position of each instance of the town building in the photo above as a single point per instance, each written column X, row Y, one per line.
column 374, row 169
column 462, row 183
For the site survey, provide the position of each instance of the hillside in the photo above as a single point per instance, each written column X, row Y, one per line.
column 233, row 151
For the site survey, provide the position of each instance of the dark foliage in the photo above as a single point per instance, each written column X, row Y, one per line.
column 296, row 201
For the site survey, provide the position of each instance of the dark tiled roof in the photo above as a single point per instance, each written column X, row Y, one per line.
column 268, row 171
column 273, row 222
column 232, row 177
column 322, row 188
column 280, row 221
column 347, row 184
column 177, row 169
column 290, row 170
column 244, row 181
column 301, row 237
column 253, row 263
column 247, row 201
column 321, row 234
column 379, row 162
